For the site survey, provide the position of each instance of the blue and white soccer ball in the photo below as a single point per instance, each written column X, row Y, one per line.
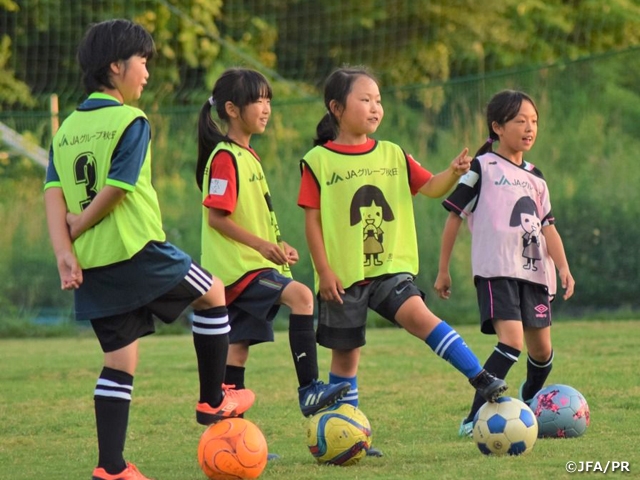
column 505, row 427
column 562, row 412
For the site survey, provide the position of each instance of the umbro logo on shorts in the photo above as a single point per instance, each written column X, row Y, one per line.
column 542, row 310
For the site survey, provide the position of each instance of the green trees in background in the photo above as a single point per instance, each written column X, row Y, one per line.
column 438, row 63
column 407, row 43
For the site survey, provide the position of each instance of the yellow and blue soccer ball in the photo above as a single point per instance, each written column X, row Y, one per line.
column 562, row 412
column 505, row 427
column 339, row 435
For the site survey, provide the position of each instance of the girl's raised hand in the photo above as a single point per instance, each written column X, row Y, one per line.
column 461, row 164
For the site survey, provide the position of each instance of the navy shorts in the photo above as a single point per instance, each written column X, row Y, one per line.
column 509, row 299
column 251, row 314
column 117, row 331
column 343, row 326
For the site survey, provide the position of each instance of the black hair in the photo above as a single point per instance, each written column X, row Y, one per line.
column 337, row 88
column 240, row 86
column 107, row 42
column 502, row 107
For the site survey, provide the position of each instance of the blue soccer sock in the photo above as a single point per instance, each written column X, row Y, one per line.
column 449, row 345
column 352, row 395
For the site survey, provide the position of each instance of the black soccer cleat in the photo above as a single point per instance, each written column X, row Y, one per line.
column 318, row 395
column 488, row 386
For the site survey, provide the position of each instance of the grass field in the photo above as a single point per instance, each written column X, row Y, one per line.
column 413, row 399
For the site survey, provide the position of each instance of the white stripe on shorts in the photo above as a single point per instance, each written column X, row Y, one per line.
column 199, row 279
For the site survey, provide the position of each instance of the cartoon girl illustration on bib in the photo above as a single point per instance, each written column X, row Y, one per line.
column 370, row 209
column 525, row 214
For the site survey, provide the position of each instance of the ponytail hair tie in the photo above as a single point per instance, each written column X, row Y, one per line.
column 490, row 140
column 212, row 102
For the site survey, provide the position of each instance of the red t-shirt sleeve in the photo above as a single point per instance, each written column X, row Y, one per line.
column 223, row 191
column 418, row 175
column 309, row 194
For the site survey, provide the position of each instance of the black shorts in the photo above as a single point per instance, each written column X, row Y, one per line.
column 251, row 314
column 509, row 299
column 343, row 326
column 117, row 331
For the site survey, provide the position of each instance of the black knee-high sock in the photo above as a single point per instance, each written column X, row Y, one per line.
column 302, row 340
column 537, row 374
column 234, row 376
column 211, row 341
column 499, row 363
column 112, row 398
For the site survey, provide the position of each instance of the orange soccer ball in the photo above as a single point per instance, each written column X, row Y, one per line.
column 232, row 449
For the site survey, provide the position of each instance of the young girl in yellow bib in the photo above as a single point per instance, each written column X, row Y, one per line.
column 106, row 230
column 357, row 194
column 241, row 239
